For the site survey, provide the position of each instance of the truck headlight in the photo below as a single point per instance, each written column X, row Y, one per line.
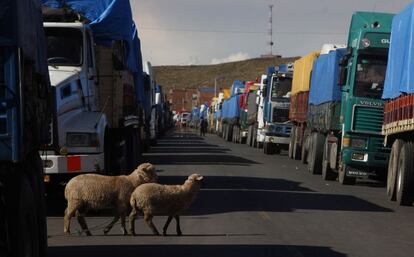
column 82, row 140
column 357, row 143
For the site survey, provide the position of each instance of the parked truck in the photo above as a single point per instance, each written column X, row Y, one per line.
column 96, row 70
column 248, row 112
column 275, row 134
column 323, row 107
column 231, row 112
column 25, row 112
column 355, row 149
column 398, row 111
column 299, row 105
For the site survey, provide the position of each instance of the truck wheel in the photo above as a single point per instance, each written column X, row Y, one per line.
column 296, row 148
column 267, row 148
column 276, row 149
column 327, row 172
column 316, row 153
column 393, row 169
column 305, row 149
column 249, row 136
column 405, row 176
column 342, row 177
column 292, row 142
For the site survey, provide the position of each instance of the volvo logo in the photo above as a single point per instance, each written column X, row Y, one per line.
column 385, row 41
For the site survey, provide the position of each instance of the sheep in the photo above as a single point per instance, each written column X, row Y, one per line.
column 155, row 199
column 93, row 191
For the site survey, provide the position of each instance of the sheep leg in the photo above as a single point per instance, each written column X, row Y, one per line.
column 148, row 220
column 69, row 213
column 110, row 225
column 164, row 230
column 177, row 220
column 124, row 231
column 82, row 223
column 132, row 217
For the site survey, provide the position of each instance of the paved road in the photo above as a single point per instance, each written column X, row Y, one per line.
column 252, row 205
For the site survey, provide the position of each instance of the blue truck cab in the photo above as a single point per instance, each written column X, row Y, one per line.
column 276, row 98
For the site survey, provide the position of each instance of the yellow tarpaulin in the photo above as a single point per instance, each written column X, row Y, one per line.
column 302, row 73
column 226, row 93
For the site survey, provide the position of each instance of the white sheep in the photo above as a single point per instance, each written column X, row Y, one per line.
column 97, row 192
column 154, row 199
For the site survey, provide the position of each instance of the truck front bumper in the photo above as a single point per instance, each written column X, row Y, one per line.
column 64, row 164
column 277, row 140
column 364, row 163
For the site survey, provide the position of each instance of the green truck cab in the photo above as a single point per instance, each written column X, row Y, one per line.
column 361, row 78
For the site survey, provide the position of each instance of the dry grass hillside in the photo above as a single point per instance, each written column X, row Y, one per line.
column 203, row 75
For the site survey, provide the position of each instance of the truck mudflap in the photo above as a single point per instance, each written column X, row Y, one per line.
column 60, row 164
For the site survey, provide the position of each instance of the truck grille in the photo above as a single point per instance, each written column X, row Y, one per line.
column 280, row 115
column 368, row 119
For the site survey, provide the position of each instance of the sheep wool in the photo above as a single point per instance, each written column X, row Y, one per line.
column 93, row 191
column 153, row 199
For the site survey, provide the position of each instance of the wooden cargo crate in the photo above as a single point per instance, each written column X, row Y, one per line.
column 399, row 115
column 299, row 107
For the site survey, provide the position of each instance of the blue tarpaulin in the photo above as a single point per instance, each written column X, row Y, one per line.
column 231, row 108
column 21, row 25
column 111, row 20
column 324, row 82
column 400, row 69
column 237, row 87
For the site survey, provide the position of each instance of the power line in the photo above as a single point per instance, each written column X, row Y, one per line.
column 240, row 31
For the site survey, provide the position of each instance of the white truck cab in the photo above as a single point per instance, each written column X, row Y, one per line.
column 79, row 144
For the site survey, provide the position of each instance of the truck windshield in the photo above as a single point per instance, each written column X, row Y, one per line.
column 280, row 88
column 370, row 76
column 64, row 46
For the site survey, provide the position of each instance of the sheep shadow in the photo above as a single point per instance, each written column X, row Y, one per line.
column 170, row 250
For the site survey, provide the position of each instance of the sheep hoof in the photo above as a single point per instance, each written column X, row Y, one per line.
column 88, row 233
column 164, row 233
column 105, row 232
column 179, row 233
column 66, row 233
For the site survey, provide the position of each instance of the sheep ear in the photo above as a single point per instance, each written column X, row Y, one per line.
column 199, row 178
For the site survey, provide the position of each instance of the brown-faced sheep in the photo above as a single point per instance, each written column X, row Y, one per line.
column 93, row 191
column 154, row 199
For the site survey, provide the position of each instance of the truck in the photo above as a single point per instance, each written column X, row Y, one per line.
column 398, row 110
column 323, row 107
column 26, row 109
column 275, row 134
column 355, row 149
column 248, row 112
column 149, row 129
column 96, row 71
column 299, row 105
column 231, row 112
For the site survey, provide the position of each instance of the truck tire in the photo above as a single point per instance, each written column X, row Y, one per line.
column 405, row 176
column 316, row 153
column 297, row 150
column 305, row 149
column 393, row 169
column 342, row 177
column 267, row 148
column 254, row 140
column 327, row 172
column 276, row 149
column 249, row 136
column 292, row 142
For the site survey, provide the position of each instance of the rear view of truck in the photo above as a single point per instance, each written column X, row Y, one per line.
column 25, row 114
column 398, row 125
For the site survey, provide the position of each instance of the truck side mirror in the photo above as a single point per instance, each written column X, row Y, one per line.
column 264, row 91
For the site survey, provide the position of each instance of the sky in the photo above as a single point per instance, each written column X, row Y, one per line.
column 190, row 32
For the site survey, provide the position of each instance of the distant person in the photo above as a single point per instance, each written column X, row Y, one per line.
column 203, row 127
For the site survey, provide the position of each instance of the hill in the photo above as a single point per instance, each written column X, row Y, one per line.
column 203, row 75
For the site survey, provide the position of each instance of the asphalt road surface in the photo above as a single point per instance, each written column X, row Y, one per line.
column 251, row 205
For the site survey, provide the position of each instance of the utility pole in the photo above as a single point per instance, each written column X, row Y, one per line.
column 270, row 32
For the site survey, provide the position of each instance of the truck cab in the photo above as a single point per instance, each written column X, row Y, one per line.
column 79, row 127
column 362, row 75
column 276, row 96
